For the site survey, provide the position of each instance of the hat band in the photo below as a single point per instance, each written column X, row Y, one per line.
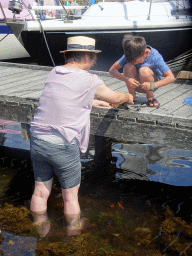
column 79, row 47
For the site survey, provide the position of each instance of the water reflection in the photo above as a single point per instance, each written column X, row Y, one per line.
column 18, row 245
column 132, row 161
column 10, row 135
column 153, row 163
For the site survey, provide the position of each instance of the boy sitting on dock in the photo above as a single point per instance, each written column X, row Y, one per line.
column 143, row 68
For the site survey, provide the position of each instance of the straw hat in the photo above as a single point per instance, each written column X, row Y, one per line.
column 80, row 43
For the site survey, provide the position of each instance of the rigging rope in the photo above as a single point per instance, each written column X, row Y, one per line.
column 182, row 61
column 46, row 42
column 5, row 36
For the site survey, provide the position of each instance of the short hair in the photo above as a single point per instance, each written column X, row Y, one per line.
column 134, row 47
column 77, row 56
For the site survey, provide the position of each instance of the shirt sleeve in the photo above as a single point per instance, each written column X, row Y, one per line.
column 97, row 81
column 163, row 67
column 122, row 61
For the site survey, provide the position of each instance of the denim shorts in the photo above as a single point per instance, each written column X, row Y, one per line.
column 63, row 160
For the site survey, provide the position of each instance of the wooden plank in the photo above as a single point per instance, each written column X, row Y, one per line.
column 29, row 92
column 170, row 115
column 24, row 90
column 15, row 85
column 6, row 71
column 21, row 76
column 110, row 81
column 165, row 98
column 9, row 77
column 184, row 111
column 27, row 66
column 35, row 94
column 169, row 107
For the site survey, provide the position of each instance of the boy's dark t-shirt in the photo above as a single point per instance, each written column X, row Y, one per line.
column 154, row 61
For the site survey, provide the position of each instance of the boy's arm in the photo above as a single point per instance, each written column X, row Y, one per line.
column 106, row 94
column 114, row 71
column 167, row 79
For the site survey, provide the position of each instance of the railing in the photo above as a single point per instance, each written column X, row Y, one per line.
column 75, row 11
column 50, row 12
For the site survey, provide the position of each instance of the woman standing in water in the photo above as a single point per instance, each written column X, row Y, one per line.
column 60, row 130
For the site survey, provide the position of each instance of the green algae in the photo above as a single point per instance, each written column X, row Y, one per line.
column 5, row 175
column 107, row 233
column 176, row 234
column 16, row 220
column 82, row 245
column 112, row 228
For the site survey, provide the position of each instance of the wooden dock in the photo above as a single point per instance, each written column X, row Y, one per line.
column 21, row 86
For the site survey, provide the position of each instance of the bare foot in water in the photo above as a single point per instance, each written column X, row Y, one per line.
column 75, row 229
column 42, row 227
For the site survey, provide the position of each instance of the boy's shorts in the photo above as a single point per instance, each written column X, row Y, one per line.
column 63, row 160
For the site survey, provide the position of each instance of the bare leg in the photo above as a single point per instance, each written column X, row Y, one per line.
column 72, row 210
column 70, row 199
column 130, row 71
column 40, row 196
column 39, row 206
column 146, row 75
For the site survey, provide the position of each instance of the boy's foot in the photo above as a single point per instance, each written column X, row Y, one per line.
column 153, row 103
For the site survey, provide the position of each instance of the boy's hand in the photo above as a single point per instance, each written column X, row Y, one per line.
column 146, row 86
column 133, row 83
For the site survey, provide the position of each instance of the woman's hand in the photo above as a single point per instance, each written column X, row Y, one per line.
column 102, row 103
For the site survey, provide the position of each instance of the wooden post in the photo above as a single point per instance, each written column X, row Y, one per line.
column 102, row 157
column 25, row 131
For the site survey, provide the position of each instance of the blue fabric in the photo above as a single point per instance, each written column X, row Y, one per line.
column 154, row 61
column 188, row 100
column 93, row 2
column 63, row 160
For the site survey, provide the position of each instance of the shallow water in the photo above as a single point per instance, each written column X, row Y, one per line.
column 137, row 202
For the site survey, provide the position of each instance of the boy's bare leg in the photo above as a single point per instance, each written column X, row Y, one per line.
column 130, row 71
column 147, row 75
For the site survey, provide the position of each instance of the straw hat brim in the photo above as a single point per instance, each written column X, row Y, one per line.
column 80, row 50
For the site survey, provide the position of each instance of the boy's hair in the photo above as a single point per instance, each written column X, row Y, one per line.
column 78, row 56
column 134, row 47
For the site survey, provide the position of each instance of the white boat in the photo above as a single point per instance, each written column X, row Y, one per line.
column 10, row 47
column 166, row 26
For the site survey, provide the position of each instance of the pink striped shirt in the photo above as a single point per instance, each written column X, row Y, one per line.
column 65, row 105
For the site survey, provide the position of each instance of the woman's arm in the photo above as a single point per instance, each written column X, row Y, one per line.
column 106, row 94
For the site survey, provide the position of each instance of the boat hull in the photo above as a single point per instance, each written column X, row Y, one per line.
column 10, row 47
column 170, row 42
